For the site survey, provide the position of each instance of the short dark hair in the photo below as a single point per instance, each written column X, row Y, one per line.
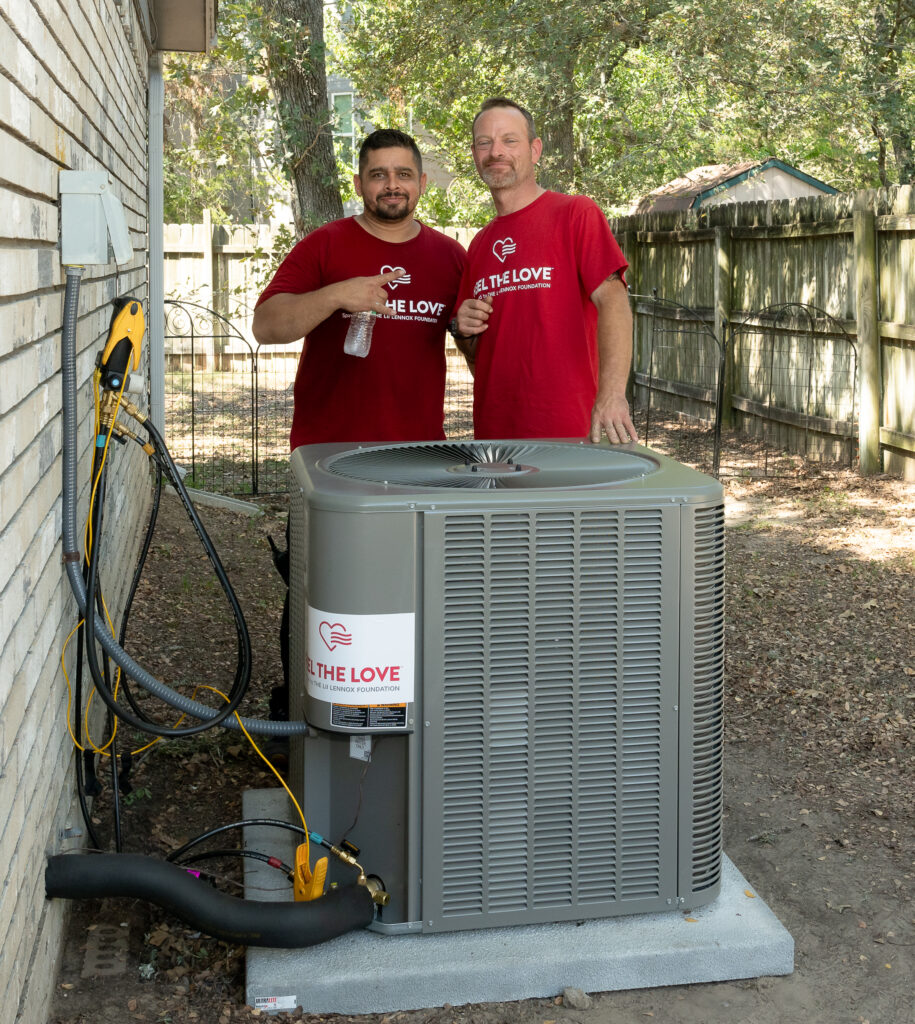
column 502, row 101
column 387, row 138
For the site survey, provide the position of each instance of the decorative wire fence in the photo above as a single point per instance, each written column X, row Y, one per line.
column 678, row 369
column 211, row 415
column 794, row 386
column 791, row 399
column 228, row 402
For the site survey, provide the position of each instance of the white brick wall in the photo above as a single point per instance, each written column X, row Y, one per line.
column 73, row 80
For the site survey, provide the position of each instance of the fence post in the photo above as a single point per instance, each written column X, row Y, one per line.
column 865, row 242
column 630, row 247
column 723, row 313
column 208, row 260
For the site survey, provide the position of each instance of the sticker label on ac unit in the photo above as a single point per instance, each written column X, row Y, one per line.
column 269, row 1003
column 347, row 716
column 361, row 660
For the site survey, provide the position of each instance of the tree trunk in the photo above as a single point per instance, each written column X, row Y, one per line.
column 295, row 57
column 558, row 161
column 905, row 156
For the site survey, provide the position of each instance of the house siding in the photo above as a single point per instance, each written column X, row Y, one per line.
column 73, row 96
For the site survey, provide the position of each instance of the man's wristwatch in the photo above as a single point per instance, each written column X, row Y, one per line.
column 455, row 333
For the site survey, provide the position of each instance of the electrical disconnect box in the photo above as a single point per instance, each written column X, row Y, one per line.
column 90, row 215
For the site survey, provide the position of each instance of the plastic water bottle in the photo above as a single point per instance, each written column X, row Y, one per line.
column 359, row 335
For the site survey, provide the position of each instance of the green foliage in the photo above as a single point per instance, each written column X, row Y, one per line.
column 218, row 131
column 264, row 262
column 629, row 94
column 237, row 139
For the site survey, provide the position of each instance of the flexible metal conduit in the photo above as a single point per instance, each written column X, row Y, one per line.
column 71, row 545
column 283, row 925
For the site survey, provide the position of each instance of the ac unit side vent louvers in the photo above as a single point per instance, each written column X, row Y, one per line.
column 708, row 676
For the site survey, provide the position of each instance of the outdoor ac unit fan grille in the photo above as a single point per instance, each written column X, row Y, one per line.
column 490, row 464
column 550, row 788
column 708, row 674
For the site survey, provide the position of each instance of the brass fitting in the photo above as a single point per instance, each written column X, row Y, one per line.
column 108, row 409
column 378, row 893
column 133, row 411
column 347, row 858
column 123, row 431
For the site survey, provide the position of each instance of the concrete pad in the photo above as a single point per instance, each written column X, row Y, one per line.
column 737, row 936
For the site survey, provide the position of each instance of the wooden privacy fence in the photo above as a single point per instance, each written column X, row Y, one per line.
column 851, row 258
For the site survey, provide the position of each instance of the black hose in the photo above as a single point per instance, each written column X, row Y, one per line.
column 242, row 675
column 81, row 753
column 247, row 922
column 264, row 858
column 100, row 471
column 245, row 823
column 135, row 583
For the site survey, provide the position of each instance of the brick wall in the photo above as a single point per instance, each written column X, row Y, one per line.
column 73, row 81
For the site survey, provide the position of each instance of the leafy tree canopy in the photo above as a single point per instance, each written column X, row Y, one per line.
column 251, row 116
column 627, row 94
column 630, row 93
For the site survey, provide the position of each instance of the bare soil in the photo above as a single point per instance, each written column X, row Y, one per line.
column 820, row 763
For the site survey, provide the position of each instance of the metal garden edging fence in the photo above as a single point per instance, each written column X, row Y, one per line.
column 225, row 417
column 795, row 382
column 678, row 376
column 229, row 402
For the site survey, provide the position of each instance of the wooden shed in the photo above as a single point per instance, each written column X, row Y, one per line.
column 748, row 181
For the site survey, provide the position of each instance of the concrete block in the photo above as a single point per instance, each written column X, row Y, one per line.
column 737, row 936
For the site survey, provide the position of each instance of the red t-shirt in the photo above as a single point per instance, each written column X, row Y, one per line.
column 537, row 361
column 396, row 393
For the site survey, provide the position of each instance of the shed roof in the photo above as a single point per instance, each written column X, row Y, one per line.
column 701, row 182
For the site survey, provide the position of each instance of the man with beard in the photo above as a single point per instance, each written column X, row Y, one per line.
column 381, row 261
column 543, row 313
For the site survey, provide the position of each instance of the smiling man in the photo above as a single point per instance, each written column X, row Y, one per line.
column 544, row 314
column 384, row 261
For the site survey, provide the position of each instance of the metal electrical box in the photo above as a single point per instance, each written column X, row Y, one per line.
column 90, row 215
column 511, row 654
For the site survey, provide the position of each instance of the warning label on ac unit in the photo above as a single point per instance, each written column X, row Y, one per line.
column 348, row 717
column 361, row 661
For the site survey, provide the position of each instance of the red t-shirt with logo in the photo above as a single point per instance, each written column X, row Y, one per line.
column 396, row 393
column 537, row 361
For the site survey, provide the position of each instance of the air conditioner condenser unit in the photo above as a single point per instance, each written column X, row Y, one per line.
column 511, row 657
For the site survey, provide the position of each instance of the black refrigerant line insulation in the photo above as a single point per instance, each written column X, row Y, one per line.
column 277, row 925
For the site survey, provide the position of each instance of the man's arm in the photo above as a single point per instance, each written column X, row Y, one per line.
column 287, row 317
column 610, row 413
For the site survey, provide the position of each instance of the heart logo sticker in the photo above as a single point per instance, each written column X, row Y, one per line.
column 503, row 248
column 403, row 279
column 334, row 635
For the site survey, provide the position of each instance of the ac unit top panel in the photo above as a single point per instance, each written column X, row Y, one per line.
column 442, row 475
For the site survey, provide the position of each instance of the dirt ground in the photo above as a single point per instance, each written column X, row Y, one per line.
column 820, row 762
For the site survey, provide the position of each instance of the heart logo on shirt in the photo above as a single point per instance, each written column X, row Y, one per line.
column 504, row 247
column 404, row 279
